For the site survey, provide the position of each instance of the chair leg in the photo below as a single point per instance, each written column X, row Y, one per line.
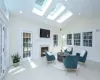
column 66, row 71
column 47, row 62
column 85, row 65
column 55, row 62
column 51, row 62
column 77, row 70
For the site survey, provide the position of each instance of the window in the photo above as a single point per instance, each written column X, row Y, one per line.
column 41, row 6
column 55, row 39
column 69, row 39
column 56, row 11
column 3, row 48
column 87, row 39
column 77, row 37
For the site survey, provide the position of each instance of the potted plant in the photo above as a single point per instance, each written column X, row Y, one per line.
column 16, row 59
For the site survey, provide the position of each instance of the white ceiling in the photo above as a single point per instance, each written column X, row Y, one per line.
column 86, row 8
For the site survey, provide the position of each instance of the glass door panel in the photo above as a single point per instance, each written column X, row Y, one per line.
column 0, row 50
column 0, row 29
column 5, row 46
column 27, row 45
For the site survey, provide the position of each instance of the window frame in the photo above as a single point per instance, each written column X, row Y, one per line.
column 77, row 39
column 69, row 39
column 55, row 40
column 88, row 39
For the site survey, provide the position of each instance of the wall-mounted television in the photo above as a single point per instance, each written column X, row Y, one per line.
column 44, row 33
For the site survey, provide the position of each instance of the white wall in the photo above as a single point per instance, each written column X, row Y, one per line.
column 18, row 23
column 84, row 25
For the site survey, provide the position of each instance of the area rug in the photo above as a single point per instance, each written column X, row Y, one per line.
column 58, row 65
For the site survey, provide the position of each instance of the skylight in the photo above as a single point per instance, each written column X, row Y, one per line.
column 67, row 15
column 56, row 11
column 41, row 6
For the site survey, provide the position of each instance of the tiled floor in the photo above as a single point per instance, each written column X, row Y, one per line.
column 40, row 70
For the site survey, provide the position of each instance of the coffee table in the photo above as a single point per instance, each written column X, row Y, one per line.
column 61, row 56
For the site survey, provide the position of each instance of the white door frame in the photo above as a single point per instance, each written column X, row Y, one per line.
column 2, row 52
column 21, row 44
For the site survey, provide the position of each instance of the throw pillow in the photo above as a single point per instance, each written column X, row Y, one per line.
column 49, row 53
column 82, row 53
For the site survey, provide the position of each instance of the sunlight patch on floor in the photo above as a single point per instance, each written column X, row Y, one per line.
column 21, row 70
column 33, row 65
column 13, row 69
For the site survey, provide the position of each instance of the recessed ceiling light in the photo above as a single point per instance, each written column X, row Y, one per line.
column 65, row 0
column 21, row 12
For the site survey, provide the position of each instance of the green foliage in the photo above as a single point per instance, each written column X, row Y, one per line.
column 16, row 58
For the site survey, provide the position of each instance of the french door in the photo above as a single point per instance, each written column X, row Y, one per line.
column 3, row 44
column 26, row 47
column 1, row 52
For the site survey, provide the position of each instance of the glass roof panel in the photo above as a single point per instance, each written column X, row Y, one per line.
column 65, row 16
column 56, row 11
column 41, row 6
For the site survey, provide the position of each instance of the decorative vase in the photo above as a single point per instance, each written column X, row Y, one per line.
column 15, row 64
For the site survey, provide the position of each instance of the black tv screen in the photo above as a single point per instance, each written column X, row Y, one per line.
column 44, row 33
